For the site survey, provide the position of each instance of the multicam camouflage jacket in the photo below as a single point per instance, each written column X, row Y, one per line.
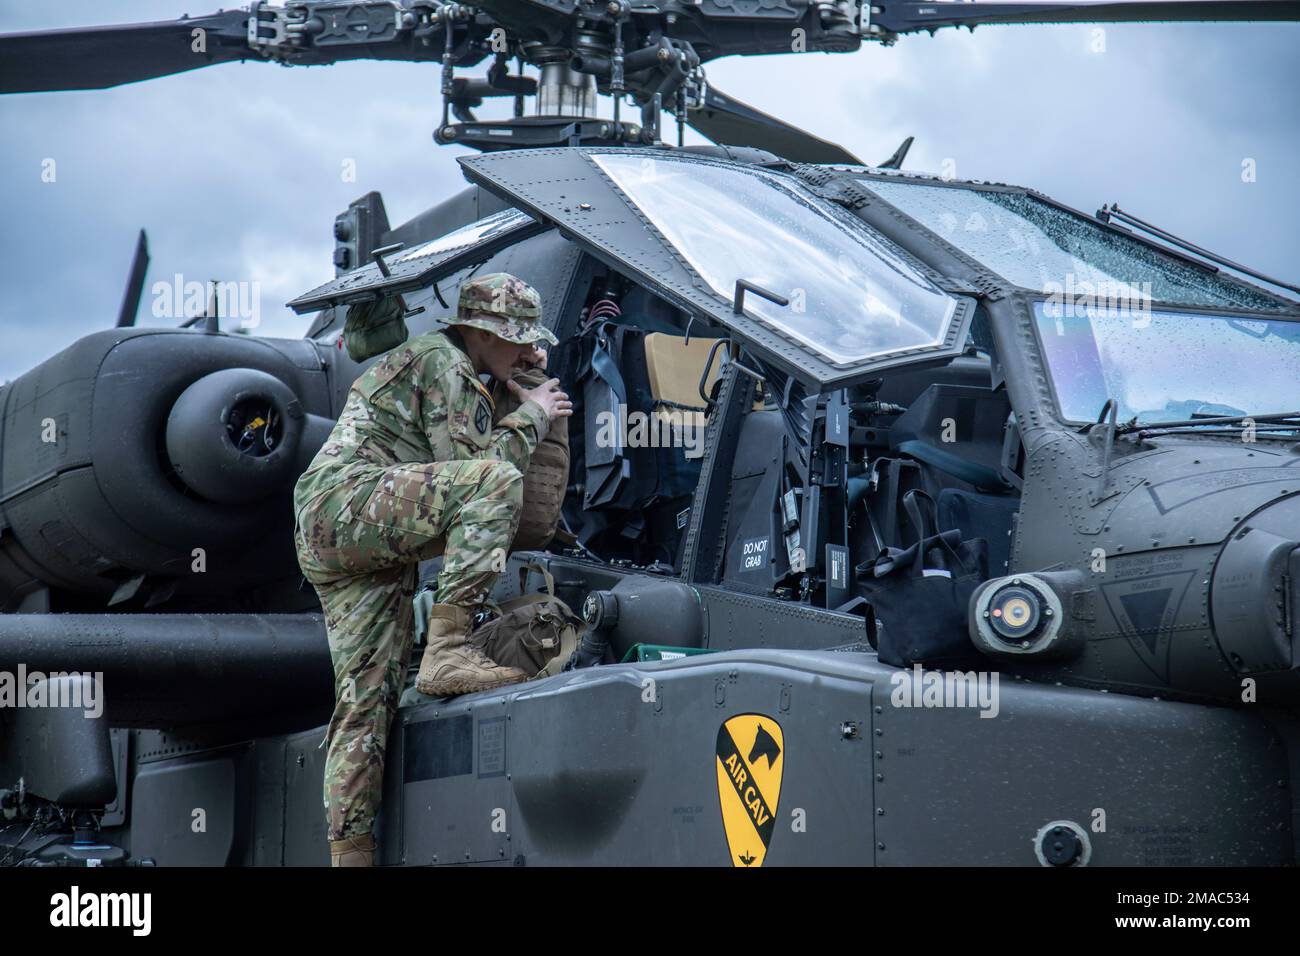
column 421, row 402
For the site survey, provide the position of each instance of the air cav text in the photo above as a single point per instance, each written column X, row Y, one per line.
column 748, row 793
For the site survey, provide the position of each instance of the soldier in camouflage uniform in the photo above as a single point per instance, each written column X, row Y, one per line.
column 415, row 468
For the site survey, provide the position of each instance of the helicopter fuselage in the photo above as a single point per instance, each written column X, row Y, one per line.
column 1161, row 563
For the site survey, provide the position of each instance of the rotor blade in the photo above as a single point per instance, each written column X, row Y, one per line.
column 134, row 283
column 93, row 58
column 730, row 122
column 905, row 16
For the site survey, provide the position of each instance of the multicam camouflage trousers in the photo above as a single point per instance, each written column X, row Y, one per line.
column 363, row 561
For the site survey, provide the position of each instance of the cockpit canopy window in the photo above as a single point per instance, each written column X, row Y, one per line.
column 1043, row 248
column 416, row 268
column 475, row 232
column 852, row 298
column 1168, row 366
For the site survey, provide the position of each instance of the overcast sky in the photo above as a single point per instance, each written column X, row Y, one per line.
column 236, row 171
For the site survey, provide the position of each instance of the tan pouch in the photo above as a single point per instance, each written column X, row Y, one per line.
column 536, row 633
column 548, row 469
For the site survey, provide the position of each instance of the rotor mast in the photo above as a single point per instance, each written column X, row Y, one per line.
column 651, row 53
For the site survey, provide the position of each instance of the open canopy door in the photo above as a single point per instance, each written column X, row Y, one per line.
column 407, row 270
column 691, row 228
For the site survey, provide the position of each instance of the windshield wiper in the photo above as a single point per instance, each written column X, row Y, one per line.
column 1107, row 419
column 1147, row 427
column 1267, row 433
column 1106, row 213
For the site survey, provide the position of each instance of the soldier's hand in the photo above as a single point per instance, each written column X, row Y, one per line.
column 534, row 358
column 554, row 402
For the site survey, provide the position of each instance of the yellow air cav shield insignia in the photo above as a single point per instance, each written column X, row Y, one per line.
column 751, row 756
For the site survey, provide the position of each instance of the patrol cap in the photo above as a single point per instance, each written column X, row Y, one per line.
column 505, row 306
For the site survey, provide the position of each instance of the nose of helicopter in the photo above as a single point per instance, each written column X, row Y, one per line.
column 1255, row 591
column 1189, row 583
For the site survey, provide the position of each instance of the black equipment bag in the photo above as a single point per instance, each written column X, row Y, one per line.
column 920, row 595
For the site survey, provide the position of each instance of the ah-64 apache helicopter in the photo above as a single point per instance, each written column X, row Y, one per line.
column 847, row 347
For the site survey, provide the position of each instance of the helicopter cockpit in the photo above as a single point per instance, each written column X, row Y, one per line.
column 675, row 256
column 767, row 358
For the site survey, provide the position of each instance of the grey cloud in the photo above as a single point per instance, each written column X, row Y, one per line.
column 235, row 170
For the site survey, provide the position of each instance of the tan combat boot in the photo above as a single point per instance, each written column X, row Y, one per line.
column 452, row 664
column 353, row 851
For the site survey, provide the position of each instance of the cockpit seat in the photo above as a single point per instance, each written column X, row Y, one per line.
column 958, row 430
column 643, row 435
column 674, row 367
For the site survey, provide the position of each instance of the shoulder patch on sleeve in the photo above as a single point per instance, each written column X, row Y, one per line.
column 470, row 412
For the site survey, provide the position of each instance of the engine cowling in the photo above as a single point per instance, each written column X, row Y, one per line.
column 122, row 458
